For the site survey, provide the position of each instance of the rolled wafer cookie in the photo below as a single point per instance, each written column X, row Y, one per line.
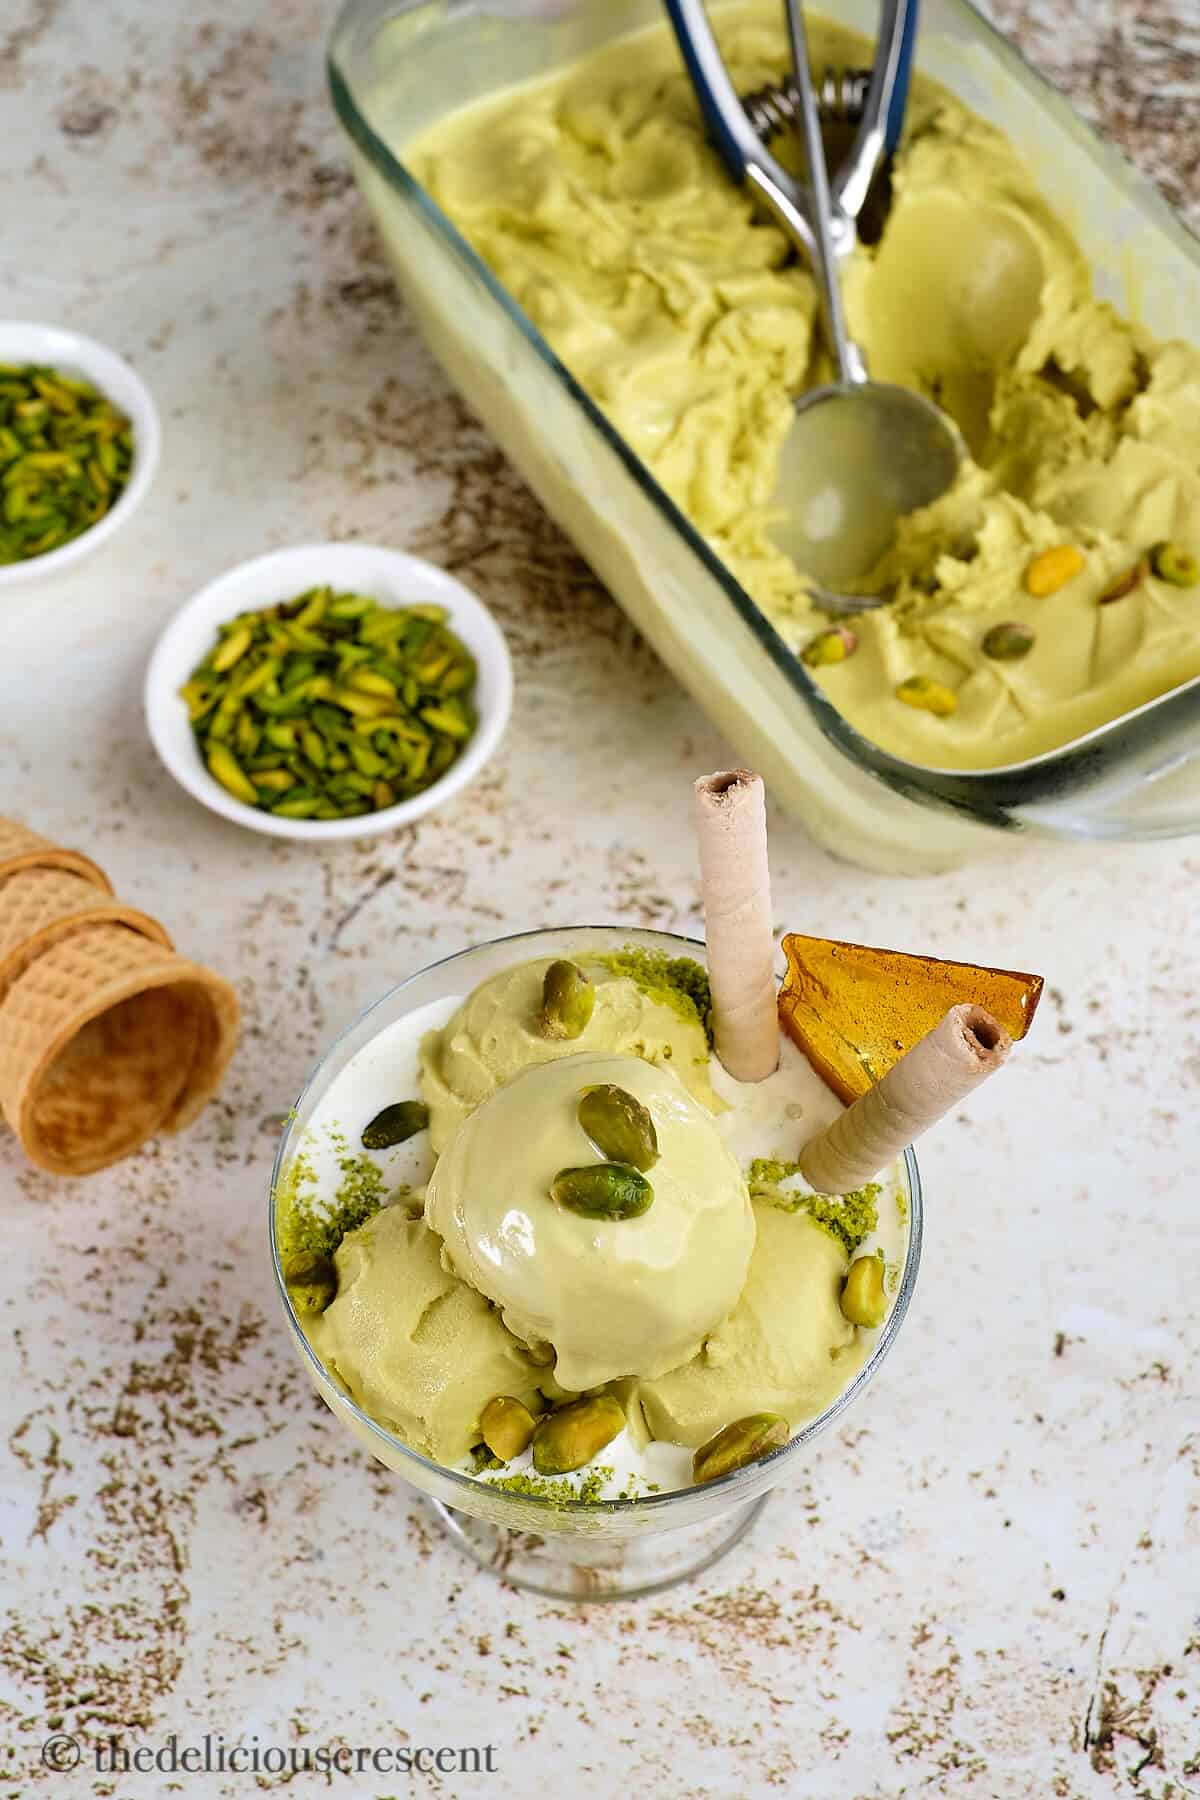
column 40, row 906
column 946, row 1065
column 731, row 833
column 21, row 848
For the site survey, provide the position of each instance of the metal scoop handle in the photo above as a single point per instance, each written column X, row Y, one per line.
column 851, row 365
column 747, row 157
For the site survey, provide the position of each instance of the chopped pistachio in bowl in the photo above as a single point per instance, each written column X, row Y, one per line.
column 79, row 444
column 328, row 691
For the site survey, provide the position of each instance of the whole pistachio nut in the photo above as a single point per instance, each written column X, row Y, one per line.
column 829, row 647
column 611, row 1190
column 739, row 1444
column 506, row 1427
column 568, row 998
column 311, row 1280
column 1172, row 563
column 1008, row 642
column 1126, row 583
column 619, row 1125
column 395, row 1125
column 863, row 1300
column 1052, row 569
column 928, row 695
column 572, row 1435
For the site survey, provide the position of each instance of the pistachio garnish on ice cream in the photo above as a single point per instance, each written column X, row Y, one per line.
column 738, row 1445
column 1127, row 583
column 395, row 1124
column 1008, row 642
column 863, row 1300
column 1052, row 569
column 568, row 999
column 611, row 1190
column 928, row 695
column 619, row 1125
column 1172, row 563
column 829, row 647
column 311, row 1280
column 506, row 1426
column 572, row 1435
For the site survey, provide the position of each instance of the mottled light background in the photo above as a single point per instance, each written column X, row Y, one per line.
column 987, row 1585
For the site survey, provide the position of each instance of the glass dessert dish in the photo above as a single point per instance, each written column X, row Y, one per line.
column 399, row 66
column 573, row 1549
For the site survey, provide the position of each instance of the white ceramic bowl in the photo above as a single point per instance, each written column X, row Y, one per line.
column 389, row 576
column 74, row 354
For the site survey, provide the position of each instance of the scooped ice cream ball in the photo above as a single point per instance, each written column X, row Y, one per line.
column 633, row 1293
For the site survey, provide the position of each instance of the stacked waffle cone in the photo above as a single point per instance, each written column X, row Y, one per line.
column 107, row 1035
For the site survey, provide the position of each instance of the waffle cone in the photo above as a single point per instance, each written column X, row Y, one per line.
column 21, row 848
column 40, row 906
column 106, row 1039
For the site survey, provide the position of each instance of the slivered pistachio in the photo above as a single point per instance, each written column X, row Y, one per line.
column 506, row 1427
column 66, row 454
column 738, row 1445
column 311, row 1281
column 366, row 706
column 863, row 1300
column 568, row 997
column 609, row 1190
column 225, row 768
column 619, row 1125
column 570, row 1436
column 395, row 1125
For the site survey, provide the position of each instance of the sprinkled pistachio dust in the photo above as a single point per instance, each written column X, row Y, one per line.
column 561, row 1492
column 307, row 1222
column 850, row 1218
column 678, row 981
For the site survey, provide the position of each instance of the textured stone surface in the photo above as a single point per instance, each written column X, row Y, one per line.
column 986, row 1584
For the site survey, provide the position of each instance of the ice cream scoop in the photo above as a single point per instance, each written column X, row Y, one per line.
column 419, row 1350
column 611, row 1296
column 499, row 1030
column 786, row 1348
column 860, row 454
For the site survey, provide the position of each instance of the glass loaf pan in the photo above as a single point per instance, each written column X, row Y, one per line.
column 396, row 66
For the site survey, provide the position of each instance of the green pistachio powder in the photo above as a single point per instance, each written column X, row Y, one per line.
column 304, row 1222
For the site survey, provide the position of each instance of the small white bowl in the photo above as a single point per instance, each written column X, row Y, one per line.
column 74, row 354
column 389, row 576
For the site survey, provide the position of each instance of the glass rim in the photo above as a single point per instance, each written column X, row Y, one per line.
column 640, row 1504
column 991, row 795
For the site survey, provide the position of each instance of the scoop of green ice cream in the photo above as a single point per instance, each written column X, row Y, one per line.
column 614, row 1296
column 495, row 1035
column 418, row 1349
column 785, row 1348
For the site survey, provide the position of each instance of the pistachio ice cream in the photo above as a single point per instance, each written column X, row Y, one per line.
column 610, row 1297
column 593, row 1251
column 1055, row 586
column 413, row 1345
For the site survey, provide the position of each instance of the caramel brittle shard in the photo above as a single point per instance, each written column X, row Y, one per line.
column 855, row 1011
